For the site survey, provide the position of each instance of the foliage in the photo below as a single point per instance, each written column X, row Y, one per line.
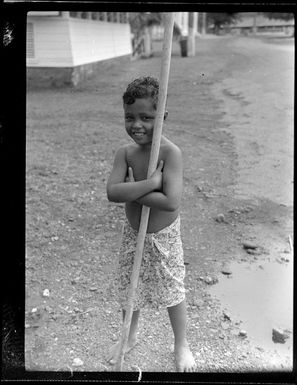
column 220, row 19
column 140, row 20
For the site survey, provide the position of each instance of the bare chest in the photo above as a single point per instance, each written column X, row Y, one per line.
column 139, row 161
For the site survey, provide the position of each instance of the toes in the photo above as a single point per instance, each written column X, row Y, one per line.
column 111, row 359
column 185, row 367
column 190, row 369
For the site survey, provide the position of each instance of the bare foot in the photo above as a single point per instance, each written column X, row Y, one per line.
column 184, row 359
column 114, row 351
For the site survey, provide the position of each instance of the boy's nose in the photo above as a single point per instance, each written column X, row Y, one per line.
column 137, row 124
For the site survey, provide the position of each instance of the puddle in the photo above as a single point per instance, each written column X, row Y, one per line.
column 262, row 298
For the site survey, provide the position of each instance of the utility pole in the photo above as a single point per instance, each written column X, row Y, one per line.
column 196, row 28
column 147, row 42
column 192, row 33
column 184, row 24
column 203, row 31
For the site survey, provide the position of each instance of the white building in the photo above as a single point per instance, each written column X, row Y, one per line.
column 67, row 46
column 254, row 22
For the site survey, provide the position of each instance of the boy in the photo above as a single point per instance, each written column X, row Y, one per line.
column 162, row 269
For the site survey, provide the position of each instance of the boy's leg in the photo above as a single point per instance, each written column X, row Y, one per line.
column 132, row 338
column 184, row 358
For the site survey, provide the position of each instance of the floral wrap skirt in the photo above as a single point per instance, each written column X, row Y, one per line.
column 162, row 271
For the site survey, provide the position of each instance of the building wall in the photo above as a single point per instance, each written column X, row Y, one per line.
column 67, row 42
column 93, row 40
column 45, row 77
column 49, row 42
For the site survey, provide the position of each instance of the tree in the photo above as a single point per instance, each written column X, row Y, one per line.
column 141, row 26
column 139, row 20
column 221, row 19
column 280, row 16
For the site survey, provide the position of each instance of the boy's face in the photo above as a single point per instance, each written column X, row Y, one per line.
column 140, row 120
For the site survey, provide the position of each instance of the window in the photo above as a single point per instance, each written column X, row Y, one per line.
column 73, row 14
column 109, row 16
column 102, row 16
column 30, row 41
column 84, row 15
column 94, row 15
column 114, row 17
column 122, row 17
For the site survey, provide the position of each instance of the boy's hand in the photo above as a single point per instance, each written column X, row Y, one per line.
column 130, row 177
column 157, row 176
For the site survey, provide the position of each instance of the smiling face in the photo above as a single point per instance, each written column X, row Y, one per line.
column 140, row 120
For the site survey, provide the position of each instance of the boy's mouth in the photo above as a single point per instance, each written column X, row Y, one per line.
column 138, row 134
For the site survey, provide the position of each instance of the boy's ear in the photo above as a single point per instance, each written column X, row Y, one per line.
column 165, row 115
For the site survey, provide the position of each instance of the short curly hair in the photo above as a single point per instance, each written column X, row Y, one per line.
column 143, row 87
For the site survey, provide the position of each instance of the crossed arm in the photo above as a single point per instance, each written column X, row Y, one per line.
column 162, row 190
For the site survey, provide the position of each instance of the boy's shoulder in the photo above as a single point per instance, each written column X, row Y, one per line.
column 129, row 148
column 126, row 147
column 127, row 151
column 169, row 147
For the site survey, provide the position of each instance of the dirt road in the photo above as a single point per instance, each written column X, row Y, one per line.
column 258, row 104
column 230, row 111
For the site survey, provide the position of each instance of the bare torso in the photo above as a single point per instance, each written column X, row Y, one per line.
column 138, row 159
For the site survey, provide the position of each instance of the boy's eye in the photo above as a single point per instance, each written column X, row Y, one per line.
column 143, row 118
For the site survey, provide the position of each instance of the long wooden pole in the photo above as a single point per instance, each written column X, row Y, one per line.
column 163, row 84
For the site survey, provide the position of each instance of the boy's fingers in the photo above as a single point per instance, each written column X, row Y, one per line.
column 131, row 174
column 161, row 164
